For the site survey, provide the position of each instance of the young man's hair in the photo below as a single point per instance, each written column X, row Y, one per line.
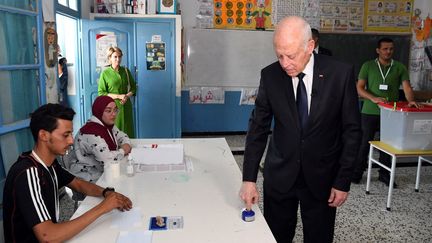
column 384, row 40
column 46, row 116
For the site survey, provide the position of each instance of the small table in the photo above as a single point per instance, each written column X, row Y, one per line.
column 394, row 153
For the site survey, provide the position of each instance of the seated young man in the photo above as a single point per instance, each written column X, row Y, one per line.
column 31, row 193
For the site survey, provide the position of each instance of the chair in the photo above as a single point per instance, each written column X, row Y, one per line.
column 66, row 161
column 420, row 160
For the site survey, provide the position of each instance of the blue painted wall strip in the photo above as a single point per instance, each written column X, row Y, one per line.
column 228, row 117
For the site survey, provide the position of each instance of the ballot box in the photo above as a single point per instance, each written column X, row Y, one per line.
column 406, row 128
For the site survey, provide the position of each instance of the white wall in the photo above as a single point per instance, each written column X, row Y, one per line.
column 189, row 8
column 85, row 8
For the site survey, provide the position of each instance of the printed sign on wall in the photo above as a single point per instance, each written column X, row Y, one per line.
column 155, row 56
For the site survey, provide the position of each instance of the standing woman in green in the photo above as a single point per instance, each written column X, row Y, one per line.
column 118, row 83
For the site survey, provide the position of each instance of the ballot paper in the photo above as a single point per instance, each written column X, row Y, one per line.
column 158, row 154
column 127, row 219
column 142, row 236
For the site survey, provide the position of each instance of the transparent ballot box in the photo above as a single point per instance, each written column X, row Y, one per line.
column 406, row 128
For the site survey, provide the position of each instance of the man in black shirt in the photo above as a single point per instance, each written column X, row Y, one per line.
column 31, row 200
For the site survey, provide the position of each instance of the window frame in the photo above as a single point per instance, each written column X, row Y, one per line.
column 41, row 91
column 66, row 10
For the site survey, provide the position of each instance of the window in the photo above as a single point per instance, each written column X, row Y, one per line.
column 72, row 4
column 69, row 7
column 21, row 82
column 67, row 33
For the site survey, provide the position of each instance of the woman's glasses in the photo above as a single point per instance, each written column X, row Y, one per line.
column 111, row 111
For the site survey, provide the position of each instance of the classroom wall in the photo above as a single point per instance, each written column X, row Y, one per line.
column 232, row 59
column 229, row 116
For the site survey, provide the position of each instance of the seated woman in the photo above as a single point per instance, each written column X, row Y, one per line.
column 97, row 142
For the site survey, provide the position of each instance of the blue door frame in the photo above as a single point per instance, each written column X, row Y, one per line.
column 157, row 109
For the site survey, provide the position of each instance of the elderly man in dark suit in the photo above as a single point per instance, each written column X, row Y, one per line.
column 317, row 48
column 313, row 103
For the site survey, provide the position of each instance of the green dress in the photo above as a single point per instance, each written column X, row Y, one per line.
column 116, row 82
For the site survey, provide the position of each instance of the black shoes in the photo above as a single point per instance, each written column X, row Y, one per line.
column 385, row 178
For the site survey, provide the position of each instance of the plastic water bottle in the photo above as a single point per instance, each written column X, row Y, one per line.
column 111, row 170
column 130, row 166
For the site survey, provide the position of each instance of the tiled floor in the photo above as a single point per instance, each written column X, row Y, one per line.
column 363, row 218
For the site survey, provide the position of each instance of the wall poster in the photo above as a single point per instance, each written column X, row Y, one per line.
column 242, row 14
column 155, row 56
column 341, row 16
column 104, row 41
column 388, row 16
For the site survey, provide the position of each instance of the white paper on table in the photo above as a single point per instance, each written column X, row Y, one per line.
column 142, row 236
column 127, row 219
column 160, row 154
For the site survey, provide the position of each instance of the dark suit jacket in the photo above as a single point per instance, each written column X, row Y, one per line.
column 324, row 51
column 328, row 148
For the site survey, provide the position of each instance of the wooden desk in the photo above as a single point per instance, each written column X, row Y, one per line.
column 207, row 198
column 394, row 153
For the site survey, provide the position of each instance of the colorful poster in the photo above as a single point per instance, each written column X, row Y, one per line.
column 155, row 56
column 341, row 16
column 242, row 14
column 388, row 16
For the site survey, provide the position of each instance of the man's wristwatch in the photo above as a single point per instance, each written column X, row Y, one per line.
column 107, row 189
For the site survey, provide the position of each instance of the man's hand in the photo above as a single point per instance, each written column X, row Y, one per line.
column 48, row 231
column 116, row 200
column 377, row 100
column 249, row 194
column 414, row 104
column 337, row 197
column 127, row 148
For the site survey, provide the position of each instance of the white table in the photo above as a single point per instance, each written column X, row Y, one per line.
column 207, row 198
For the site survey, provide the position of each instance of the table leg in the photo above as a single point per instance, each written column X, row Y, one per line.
column 418, row 173
column 392, row 175
column 371, row 147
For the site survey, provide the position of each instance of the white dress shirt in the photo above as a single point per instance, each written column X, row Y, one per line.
column 307, row 79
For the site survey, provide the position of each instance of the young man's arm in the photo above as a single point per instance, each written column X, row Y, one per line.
column 362, row 92
column 85, row 187
column 50, row 232
column 409, row 93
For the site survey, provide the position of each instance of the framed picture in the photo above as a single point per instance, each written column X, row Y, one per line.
column 167, row 6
